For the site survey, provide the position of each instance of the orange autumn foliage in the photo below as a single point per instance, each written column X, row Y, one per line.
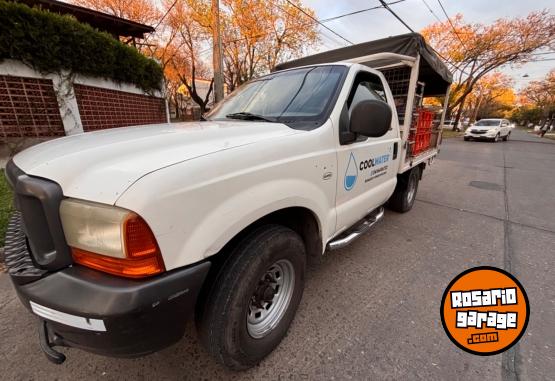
column 256, row 35
column 475, row 50
column 540, row 93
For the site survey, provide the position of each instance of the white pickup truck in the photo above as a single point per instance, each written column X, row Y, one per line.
column 122, row 234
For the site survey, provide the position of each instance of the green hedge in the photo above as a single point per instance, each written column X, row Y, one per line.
column 50, row 42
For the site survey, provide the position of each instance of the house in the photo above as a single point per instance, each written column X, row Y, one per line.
column 44, row 103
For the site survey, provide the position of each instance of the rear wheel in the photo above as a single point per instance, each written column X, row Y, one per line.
column 254, row 298
column 404, row 195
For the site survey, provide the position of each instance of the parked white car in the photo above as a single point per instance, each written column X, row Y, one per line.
column 448, row 124
column 489, row 129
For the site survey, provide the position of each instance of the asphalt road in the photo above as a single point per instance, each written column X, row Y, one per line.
column 371, row 311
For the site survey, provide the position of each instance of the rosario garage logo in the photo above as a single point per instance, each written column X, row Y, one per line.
column 485, row 310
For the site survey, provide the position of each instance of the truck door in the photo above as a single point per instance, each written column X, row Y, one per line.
column 367, row 167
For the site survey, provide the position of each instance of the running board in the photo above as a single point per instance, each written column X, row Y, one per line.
column 353, row 233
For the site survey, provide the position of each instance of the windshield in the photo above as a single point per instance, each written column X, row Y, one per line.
column 292, row 97
column 488, row 122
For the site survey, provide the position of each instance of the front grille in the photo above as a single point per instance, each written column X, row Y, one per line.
column 477, row 132
column 38, row 222
column 16, row 253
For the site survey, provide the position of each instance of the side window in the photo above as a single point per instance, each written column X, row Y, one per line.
column 366, row 86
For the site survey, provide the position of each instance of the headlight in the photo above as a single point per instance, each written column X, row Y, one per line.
column 110, row 239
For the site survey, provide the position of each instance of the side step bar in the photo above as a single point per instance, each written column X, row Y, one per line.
column 353, row 233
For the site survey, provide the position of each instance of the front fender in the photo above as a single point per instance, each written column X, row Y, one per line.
column 226, row 221
column 196, row 207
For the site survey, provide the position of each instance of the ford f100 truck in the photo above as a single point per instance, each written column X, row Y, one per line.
column 121, row 235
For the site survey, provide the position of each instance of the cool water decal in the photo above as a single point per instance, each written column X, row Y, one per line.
column 351, row 173
column 374, row 167
column 370, row 168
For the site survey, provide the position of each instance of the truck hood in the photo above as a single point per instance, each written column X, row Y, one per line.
column 100, row 166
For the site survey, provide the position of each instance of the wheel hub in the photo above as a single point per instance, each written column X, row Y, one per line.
column 265, row 292
column 270, row 299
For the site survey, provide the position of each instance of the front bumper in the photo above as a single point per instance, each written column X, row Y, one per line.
column 84, row 308
column 128, row 318
column 478, row 136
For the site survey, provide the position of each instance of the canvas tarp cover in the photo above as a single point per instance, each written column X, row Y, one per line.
column 433, row 71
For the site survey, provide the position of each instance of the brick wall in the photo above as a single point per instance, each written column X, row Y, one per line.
column 103, row 108
column 28, row 108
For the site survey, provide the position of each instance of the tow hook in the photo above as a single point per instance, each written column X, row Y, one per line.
column 47, row 346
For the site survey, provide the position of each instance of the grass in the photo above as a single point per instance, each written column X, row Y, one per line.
column 447, row 134
column 6, row 205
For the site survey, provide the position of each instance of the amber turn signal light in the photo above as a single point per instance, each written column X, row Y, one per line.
column 142, row 255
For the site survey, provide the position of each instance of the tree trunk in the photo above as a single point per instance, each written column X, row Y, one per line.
column 475, row 113
column 459, row 112
column 176, row 104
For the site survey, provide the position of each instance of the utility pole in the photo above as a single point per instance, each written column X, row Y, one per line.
column 217, row 52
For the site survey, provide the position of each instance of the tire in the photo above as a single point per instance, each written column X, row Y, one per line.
column 229, row 327
column 506, row 137
column 496, row 139
column 404, row 195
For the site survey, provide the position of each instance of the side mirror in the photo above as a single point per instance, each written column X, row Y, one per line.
column 371, row 118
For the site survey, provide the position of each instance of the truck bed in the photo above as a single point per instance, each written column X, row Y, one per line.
column 426, row 156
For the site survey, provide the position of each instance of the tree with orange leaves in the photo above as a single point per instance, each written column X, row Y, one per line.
column 256, row 36
column 259, row 34
column 474, row 50
column 142, row 11
column 541, row 93
column 493, row 96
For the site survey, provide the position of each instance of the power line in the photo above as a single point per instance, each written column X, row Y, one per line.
column 439, row 20
column 431, row 11
column 319, row 22
column 412, row 30
column 450, row 23
column 321, row 32
column 165, row 14
column 227, row 42
column 360, row 11
column 202, row 52
column 384, row 4
column 542, row 53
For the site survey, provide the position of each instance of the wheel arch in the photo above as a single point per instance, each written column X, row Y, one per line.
column 300, row 219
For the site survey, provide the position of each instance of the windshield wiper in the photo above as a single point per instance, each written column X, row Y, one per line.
column 249, row 116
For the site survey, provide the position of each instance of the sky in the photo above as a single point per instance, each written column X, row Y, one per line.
column 380, row 23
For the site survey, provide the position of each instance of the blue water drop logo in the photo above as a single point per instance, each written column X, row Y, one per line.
column 351, row 173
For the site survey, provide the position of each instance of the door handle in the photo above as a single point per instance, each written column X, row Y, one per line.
column 395, row 150
column 327, row 175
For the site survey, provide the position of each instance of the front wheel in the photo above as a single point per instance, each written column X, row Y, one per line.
column 506, row 137
column 496, row 139
column 254, row 298
column 404, row 195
